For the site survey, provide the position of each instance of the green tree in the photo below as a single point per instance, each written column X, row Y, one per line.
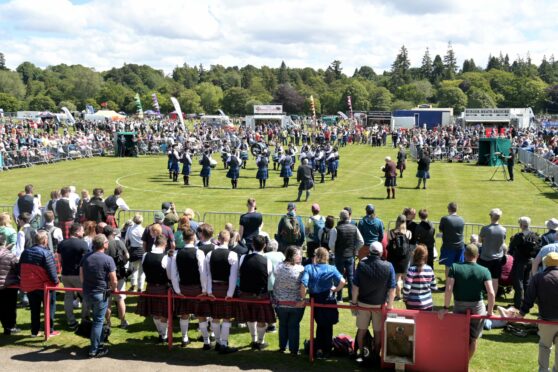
column 190, row 101
column 400, row 69
column 283, row 74
column 11, row 83
column 450, row 63
column 9, row 103
column 68, row 104
column 380, row 99
column 401, row 105
column 210, row 97
column 360, row 99
column 235, row 100
column 478, row 98
column 469, row 66
column 42, row 103
column 365, row 72
column 95, row 105
column 438, row 70
column 449, row 96
column 2, row 62
column 426, row 67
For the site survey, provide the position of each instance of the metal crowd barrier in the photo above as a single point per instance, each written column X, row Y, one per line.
column 543, row 167
column 455, row 154
column 147, row 214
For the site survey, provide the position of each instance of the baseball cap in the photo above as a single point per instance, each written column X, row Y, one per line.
column 376, row 247
column 551, row 259
column 166, row 206
column 552, row 224
column 291, row 206
column 158, row 216
column 370, row 208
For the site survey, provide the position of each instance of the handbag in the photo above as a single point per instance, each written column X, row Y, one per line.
column 85, row 326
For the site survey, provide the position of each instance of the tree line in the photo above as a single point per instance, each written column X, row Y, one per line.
column 438, row 81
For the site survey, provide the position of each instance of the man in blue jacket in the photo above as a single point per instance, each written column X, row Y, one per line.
column 372, row 230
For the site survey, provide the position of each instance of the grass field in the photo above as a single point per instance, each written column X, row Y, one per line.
column 146, row 185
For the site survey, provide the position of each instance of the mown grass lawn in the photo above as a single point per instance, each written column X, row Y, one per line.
column 146, row 185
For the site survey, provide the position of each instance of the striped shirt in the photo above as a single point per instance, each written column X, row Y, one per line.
column 418, row 287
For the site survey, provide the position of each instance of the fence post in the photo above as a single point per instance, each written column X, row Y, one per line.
column 46, row 304
column 311, row 351
column 169, row 318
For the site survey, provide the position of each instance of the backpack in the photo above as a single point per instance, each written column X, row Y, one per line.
column 399, row 245
column 290, row 233
column 318, row 225
column 343, row 345
column 52, row 241
column 120, row 260
column 527, row 245
column 424, row 236
column 325, row 239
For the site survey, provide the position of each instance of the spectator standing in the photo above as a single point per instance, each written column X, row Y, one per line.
column 313, row 227
column 250, row 223
column 9, row 270
column 183, row 225
column 290, row 230
column 37, row 270
column 8, row 231
column 98, row 275
column 345, row 241
column 322, row 281
column 373, row 287
column 543, row 288
column 371, row 229
column 287, row 289
column 551, row 236
column 419, row 282
column 399, row 251
column 466, row 282
column 493, row 238
column 425, row 234
column 117, row 250
column 70, row 252
column 135, row 249
column 451, row 230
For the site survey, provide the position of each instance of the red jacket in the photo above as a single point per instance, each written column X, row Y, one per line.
column 37, row 268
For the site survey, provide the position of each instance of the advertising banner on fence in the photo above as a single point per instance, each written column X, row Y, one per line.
column 268, row 109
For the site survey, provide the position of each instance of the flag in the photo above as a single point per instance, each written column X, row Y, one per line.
column 69, row 117
column 178, row 112
column 138, row 106
column 155, row 103
column 313, row 106
column 350, row 104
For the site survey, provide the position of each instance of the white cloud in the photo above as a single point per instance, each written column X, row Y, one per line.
column 165, row 33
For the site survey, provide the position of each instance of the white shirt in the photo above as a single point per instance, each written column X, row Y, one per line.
column 233, row 276
column 175, row 277
column 122, row 204
column 36, row 211
column 134, row 234
column 20, row 241
column 57, row 233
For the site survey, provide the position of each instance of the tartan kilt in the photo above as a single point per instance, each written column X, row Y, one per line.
column 262, row 174
column 286, row 171
column 390, row 182
column 65, row 227
column 221, row 309
column 205, row 171
column 262, row 313
column 153, row 306
column 321, row 167
column 111, row 221
column 233, row 173
column 196, row 307
column 244, row 155
column 186, row 169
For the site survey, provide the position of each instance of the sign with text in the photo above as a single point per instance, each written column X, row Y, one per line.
column 268, row 109
column 487, row 114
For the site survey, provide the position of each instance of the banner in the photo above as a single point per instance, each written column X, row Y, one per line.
column 350, row 104
column 313, row 106
column 178, row 112
column 268, row 109
column 156, row 103
column 138, row 106
column 69, row 116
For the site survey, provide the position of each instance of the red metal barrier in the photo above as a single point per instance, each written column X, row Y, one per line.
column 450, row 334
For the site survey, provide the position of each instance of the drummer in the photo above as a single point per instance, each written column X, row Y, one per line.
column 234, row 163
column 244, row 153
column 262, row 163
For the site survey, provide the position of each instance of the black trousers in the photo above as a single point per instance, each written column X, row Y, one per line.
column 35, row 303
column 8, row 310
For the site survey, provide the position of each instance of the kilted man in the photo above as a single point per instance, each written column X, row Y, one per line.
column 221, row 266
column 189, row 279
column 321, row 163
column 423, row 170
column 205, row 172
column 390, row 172
column 254, row 272
column 155, row 265
column 174, row 160
column 186, row 160
column 96, row 209
column 205, row 233
column 65, row 212
column 286, row 162
column 244, row 154
column 333, row 162
column 112, row 203
column 401, row 160
column 304, row 175
column 277, row 154
column 233, row 173
column 262, row 162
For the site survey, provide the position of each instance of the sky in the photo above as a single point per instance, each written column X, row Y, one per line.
column 304, row 33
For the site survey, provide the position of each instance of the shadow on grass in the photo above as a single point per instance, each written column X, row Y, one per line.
column 550, row 195
column 509, row 338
